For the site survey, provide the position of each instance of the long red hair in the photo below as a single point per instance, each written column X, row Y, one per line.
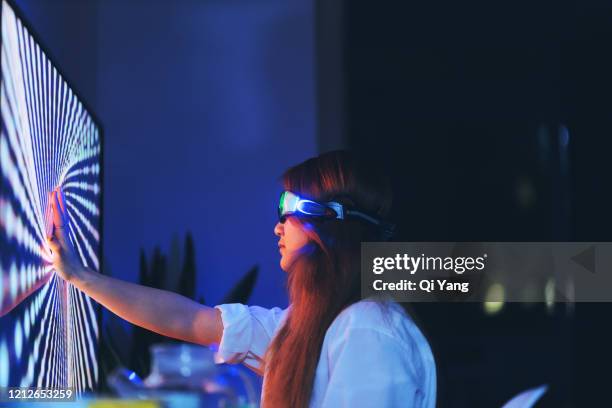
column 326, row 279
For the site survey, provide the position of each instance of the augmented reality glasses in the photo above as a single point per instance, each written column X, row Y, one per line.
column 292, row 204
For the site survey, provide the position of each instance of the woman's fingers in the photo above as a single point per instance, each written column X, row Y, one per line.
column 62, row 205
column 62, row 202
column 60, row 223
column 58, row 219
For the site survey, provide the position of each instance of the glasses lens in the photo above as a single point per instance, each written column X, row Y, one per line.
column 287, row 205
column 281, row 207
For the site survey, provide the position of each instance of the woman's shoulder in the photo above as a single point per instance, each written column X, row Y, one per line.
column 380, row 315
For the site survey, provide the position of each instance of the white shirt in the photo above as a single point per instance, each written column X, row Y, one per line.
column 371, row 355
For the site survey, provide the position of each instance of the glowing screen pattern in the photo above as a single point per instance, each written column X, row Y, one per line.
column 48, row 328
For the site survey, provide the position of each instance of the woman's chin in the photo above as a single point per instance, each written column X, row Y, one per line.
column 284, row 266
column 286, row 262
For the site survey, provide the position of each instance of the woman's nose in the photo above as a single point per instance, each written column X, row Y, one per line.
column 278, row 229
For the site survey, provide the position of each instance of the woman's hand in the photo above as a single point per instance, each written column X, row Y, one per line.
column 65, row 259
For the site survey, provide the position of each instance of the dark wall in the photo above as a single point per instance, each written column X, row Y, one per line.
column 69, row 29
column 490, row 118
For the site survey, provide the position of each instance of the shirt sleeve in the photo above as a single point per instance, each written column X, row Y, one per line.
column 371, row 368
column 247, row 332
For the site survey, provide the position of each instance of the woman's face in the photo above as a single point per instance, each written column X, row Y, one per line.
column 292, row 241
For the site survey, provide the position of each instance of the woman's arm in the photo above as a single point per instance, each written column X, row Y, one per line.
column 157, row 310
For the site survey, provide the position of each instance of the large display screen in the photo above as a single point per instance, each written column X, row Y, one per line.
column 48, row 328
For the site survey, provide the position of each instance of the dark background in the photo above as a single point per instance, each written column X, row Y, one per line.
column 493, row 120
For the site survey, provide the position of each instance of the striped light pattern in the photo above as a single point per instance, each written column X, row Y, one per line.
column 48, row 328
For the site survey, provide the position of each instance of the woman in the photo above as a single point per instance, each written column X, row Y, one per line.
column 329, row 348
